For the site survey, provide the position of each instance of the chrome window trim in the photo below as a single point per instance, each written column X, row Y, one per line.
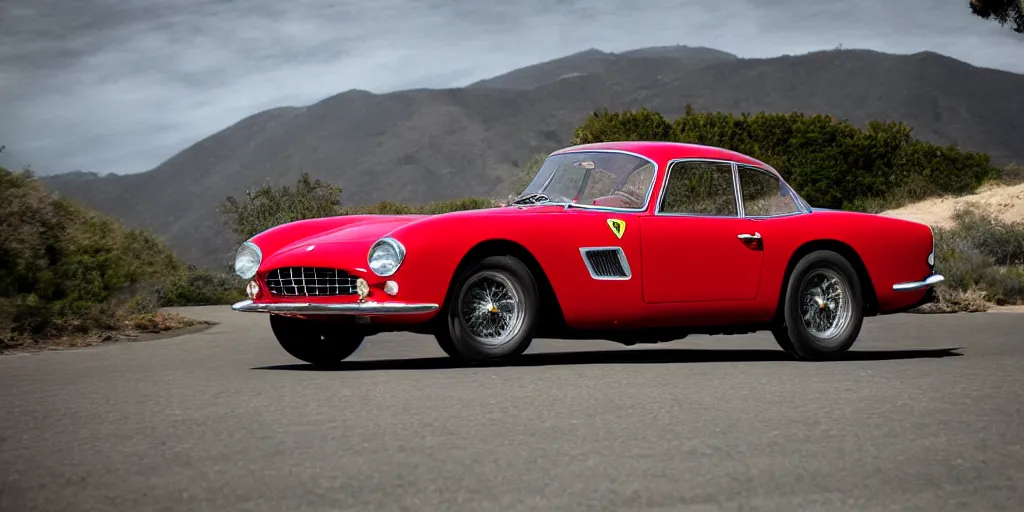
column 647, row 197
column 664, row 186
column 737, row 194
column 622, row 261
column 801, row 209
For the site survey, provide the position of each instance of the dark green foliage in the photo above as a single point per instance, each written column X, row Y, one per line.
column 1013, row 173
column 268, row 206
column 1003, row 11
column 830, row 162
column 642, row 125
column 196, row 286
column 434, row 208
column 69, row 270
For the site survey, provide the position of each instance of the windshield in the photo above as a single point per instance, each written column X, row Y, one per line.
column 617, row 180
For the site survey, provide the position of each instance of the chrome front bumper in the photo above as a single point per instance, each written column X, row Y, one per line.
column 358, row 308
column 910, row 286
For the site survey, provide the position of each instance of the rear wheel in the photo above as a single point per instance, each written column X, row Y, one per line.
column 823, row 309
column 492, row 313
column 315, row 342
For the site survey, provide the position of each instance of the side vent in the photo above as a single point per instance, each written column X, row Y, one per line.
column 606, row 262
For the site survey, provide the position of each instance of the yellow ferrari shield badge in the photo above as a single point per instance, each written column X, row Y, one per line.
column 618, row 226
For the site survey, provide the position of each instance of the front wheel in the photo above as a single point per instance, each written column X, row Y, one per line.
column 823, row 309
column 492, row 313
column 315, row 342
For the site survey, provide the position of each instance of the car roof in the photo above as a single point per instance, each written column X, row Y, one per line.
column 660, row 151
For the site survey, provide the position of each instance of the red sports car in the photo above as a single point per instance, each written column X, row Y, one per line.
column 633, row 242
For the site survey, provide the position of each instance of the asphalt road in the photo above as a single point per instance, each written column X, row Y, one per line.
column 926, row 414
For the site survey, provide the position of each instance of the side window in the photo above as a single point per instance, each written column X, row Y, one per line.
column 700, row 188
column 764, row 195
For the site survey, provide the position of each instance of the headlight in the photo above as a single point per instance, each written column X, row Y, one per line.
column 247, row 260
column 385, row 256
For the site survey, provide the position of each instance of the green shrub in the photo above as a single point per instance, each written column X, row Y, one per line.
column 434, row 208
column 830, row 162
column 982, row 253
column 1013, row 174
column 269, row 206
column 195, row 286
column 70, row 271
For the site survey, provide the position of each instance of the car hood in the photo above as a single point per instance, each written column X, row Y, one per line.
column 372, row 227
column 361, row 232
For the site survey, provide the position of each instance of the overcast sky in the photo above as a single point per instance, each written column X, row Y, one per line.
column 121, row 85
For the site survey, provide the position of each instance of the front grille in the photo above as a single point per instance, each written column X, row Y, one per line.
column 606, row 263
column 310, row 281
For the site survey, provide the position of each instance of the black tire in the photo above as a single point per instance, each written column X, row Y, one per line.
column 465, row 342
column 800, row 340
column 443, row 336
column 318, row 343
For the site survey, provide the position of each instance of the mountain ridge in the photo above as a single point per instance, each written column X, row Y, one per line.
column 421, row 145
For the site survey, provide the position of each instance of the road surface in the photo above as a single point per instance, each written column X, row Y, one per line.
column 927, row 414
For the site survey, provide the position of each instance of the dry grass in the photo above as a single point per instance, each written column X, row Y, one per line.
column 133, row 327
column 981, row 254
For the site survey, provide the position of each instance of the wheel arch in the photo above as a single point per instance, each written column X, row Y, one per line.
column 869, row 297
column 551, row 316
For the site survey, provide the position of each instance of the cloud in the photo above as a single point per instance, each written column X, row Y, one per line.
column 121, row 85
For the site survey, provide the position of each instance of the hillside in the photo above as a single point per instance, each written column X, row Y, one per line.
column 1003, row 202
column 634, row 67
column 425, row 145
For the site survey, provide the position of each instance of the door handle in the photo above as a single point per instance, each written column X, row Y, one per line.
column 752, row 242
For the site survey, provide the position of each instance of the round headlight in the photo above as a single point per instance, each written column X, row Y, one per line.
column 385, row 256
column 247, row 260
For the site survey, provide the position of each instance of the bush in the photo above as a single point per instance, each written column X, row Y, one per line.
column 830, row 162
column 1013, row 174
column 268, row 206
column 981, row 255
column 195, row 286
column 70, row 271
column 434, row 208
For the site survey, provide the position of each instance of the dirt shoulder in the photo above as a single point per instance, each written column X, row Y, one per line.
column 1004, row 201
column 160, row 325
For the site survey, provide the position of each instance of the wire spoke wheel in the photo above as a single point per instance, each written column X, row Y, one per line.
column 825, row 303
column 491, row 306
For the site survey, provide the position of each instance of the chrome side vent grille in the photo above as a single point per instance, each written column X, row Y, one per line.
column 606, row 262
column 310, row 281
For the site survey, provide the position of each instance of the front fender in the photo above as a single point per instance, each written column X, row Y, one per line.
column 436, row 246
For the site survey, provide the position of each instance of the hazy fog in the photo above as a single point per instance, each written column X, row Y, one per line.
column 121, row 85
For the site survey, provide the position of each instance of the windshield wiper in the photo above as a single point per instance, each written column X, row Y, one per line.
column 533, row 198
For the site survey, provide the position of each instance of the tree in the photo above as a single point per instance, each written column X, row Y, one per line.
column 1003, row 11
column 830, row 162
column 642, row 124
column 267, row 206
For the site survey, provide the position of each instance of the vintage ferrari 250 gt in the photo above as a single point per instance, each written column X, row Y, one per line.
column 633, row 242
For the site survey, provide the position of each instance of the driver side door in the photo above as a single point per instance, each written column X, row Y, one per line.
column 697, row 247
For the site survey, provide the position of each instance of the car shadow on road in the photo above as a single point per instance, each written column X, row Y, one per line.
column 597, row 357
